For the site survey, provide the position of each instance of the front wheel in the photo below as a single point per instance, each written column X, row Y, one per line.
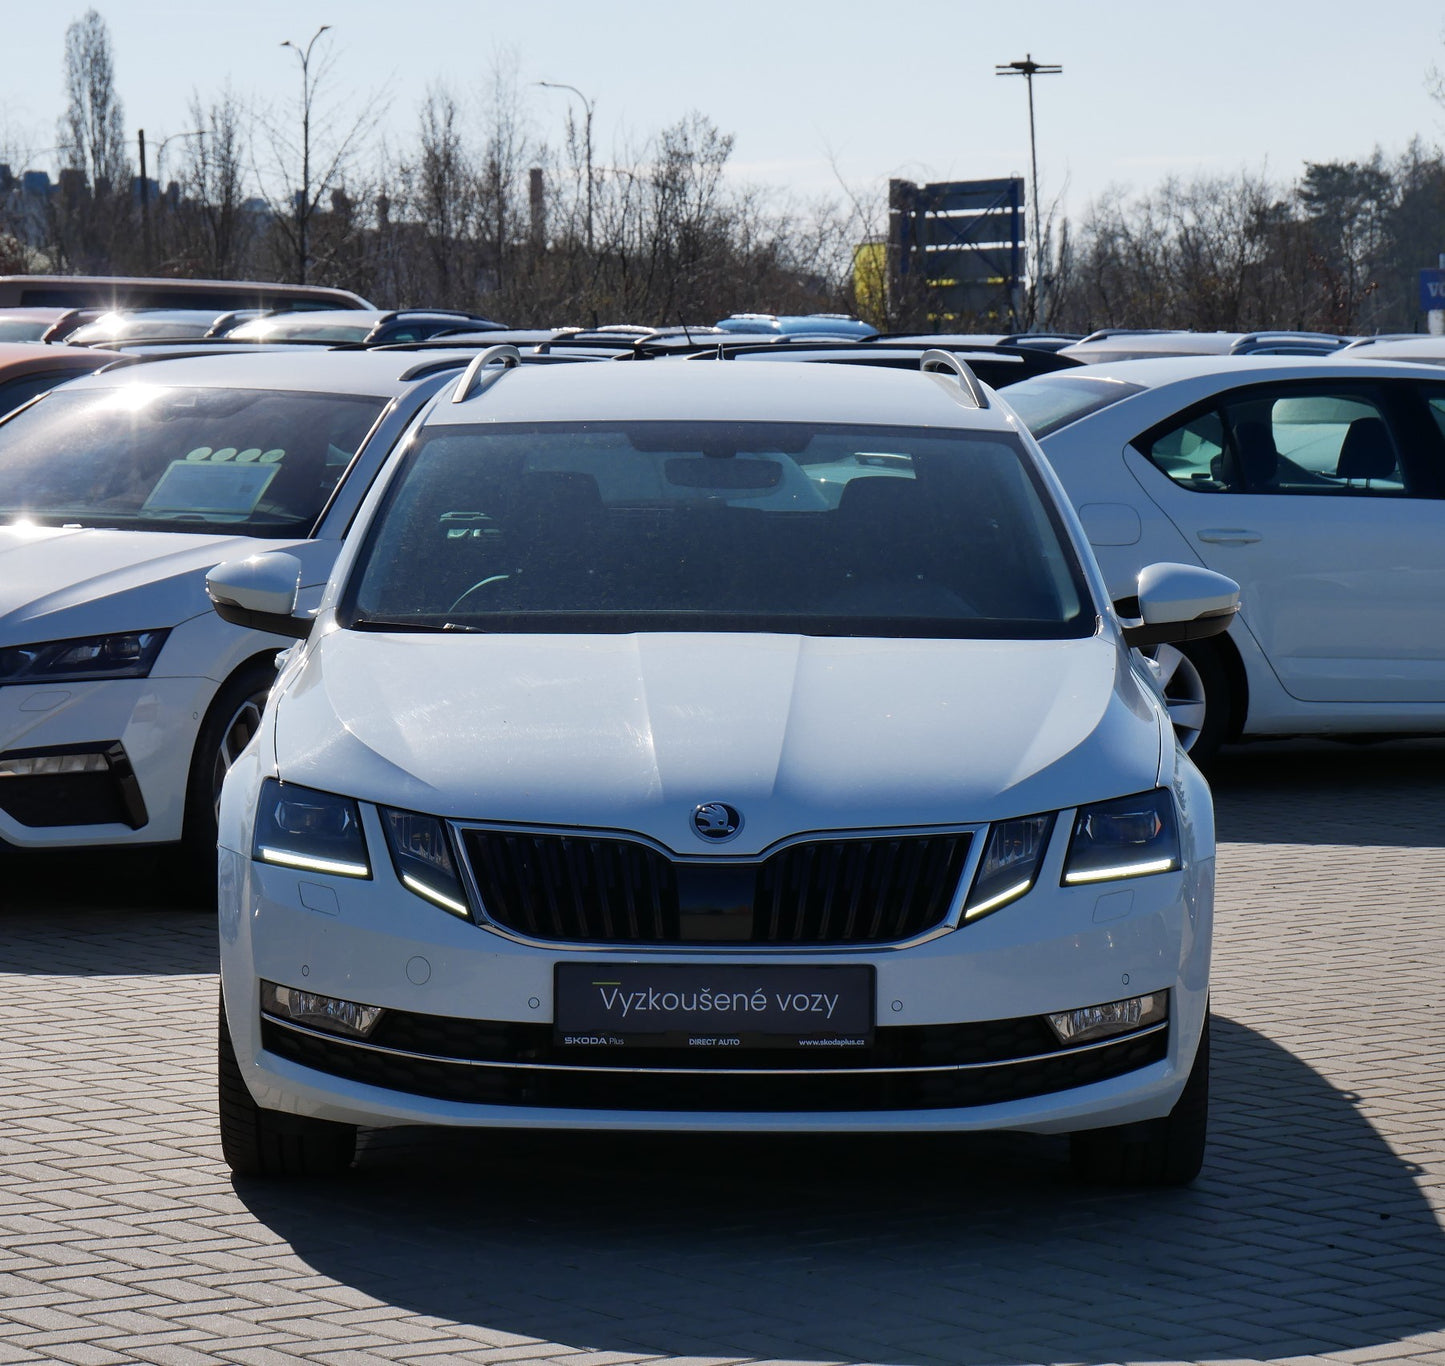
column 1197, row 694
column 1158, row 1152
column 257, row 1142
column 232, row 719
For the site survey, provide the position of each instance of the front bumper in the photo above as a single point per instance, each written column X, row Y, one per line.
column 467, row 1037
column 154, row 723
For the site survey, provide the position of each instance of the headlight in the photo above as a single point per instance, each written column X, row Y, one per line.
column 421, row 853
column 1130, row 837
column 128, row 655
column 319, row 832
column 1010, row 863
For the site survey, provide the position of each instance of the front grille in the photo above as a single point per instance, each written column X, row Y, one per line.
column 998, row 1060
column 595, row 889
column 108, row 797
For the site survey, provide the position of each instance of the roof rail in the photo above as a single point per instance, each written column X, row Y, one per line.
column 1105, row 333
column 1360, row 342
column 508, row 355
column 937, row 361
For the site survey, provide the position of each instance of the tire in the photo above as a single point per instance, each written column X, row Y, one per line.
column 1158, row 1152
column 230, row 721
column 257, row 1142
column 1199, row 695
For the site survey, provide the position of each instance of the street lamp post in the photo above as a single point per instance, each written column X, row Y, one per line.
column 587, row 106
column 145, row 189
column 161, row 153
column 1028, row 69
column 303, row 204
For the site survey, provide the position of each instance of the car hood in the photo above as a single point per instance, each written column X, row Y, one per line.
column 798, row 733
column 61, row 582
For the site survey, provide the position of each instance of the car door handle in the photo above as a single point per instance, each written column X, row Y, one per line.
column 1230, row 535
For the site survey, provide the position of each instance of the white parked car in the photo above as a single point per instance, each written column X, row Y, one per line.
column 1317, row 484
column 631, row 777
column 123, row 697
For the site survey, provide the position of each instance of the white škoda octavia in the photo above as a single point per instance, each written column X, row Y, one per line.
column 717, row 747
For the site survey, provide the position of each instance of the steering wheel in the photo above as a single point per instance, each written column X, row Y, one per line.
column 489, row 582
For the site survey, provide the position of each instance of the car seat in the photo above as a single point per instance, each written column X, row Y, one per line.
column 1250, row 462
column 1367, row 452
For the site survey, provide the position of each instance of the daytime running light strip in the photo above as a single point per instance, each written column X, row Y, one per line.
column 313, row 864
column 996, row 901
column 1158, row 865
column 431, row 894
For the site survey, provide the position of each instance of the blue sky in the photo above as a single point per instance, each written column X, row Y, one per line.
column 871, row 89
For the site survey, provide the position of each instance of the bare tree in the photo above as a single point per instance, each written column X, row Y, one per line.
column 446, row 197
column 214, row 230
column 92, row 129
column 313, row 146
column 94, row 205
column 508, row 152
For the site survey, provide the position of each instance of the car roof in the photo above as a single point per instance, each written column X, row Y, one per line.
column 294, row 370
column 36, row 358
column 1421, row 348
column 36, row 312
column 1165, row 370
column 719, row 393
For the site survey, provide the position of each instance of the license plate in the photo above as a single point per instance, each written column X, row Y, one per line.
column 692, row 1005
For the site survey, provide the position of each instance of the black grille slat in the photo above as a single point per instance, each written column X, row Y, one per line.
column 856, row 864
column 884, row 876
column 596, row 889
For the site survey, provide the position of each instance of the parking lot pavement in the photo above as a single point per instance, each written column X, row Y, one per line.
column 1314, row 1232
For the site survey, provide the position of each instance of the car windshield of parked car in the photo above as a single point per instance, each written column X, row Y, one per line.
column 23, row 329
column 302, row 330
column 741, row 526
column 246, row 461
column 1048, row 402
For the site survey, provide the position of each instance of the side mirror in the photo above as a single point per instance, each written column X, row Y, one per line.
column 1178, row 602
column 260, row 592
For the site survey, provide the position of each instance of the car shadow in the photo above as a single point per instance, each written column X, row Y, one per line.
column 1305, row 1233
column 116, row 913
column 1330, row 792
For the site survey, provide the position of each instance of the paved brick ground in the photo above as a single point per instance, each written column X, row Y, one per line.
column 1315, row 1232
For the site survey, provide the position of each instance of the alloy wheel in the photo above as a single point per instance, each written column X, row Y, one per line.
column 1183, row 689
column 236, row 735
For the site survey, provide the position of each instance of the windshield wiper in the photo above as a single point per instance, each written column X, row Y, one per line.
column 424, row 627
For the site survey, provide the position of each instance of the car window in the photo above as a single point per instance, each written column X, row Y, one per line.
column 825, row 530
column 253, row 462
column 1301, row 442
column 1190, row 453
column 1048, row 402
column 23, row 388
column 1436, row 402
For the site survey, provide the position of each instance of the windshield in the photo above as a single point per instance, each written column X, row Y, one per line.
column 687, row 526
column 1048, row 402
column 300, row 330
column 245, row 461
column 23, row 329
column 157, row 326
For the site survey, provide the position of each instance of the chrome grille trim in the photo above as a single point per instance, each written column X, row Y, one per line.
column 717, row 1071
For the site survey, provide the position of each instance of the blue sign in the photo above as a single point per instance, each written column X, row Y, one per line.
column 1432, row 290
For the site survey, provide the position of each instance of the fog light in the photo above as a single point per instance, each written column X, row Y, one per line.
column 1116, row 1017
column 328, row 1013
column 53, row 765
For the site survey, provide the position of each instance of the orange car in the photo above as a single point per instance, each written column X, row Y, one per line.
column 27, row 369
